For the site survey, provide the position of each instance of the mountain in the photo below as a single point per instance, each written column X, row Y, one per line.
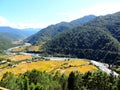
column 14, row 34
column 51, row 31
column 8, row 34
column 83, row 20
column 30, row 31
column 111, row 22
column 4, row 43
column 98, row 39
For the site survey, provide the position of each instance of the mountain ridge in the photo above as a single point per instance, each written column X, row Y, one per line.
column 9, row 34
column 16, row 34
column 95, row 40
column 51, row 31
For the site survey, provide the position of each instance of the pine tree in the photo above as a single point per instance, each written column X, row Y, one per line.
column 71, row 81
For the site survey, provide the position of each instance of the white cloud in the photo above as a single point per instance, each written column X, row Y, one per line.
column 102, row 9
column 28, row 24
column 3, row 21
column 97, row 9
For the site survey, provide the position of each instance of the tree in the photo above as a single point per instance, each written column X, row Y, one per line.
column 86, row 77
column 99, row 81
column 26, row 84
column 63, row 82
column 71, row 81
column 78, row 82
column 9, row 81
column 20, row 82
column 118, row 82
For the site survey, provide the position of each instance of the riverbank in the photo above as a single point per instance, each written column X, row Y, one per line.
column 101, row 66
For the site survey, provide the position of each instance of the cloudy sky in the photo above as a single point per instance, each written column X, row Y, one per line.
column 41, row 13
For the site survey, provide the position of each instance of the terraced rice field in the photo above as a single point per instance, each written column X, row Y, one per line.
column 65, row 67
column 19, row 49
column 20, row 57
column 17, row 57
column 33, row 48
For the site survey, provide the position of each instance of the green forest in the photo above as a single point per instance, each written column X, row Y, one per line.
column 4, row 44
column 52, row 31
column 36, row 80
column 98, row 40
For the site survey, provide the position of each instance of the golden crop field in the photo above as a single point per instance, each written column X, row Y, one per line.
column 19, row 49
column 65, row 67
column 3, row 65
column 20, row 57
column 118, row 69
column 33, row 48
column 16, row 57
column 4, row 56
column 28, row 48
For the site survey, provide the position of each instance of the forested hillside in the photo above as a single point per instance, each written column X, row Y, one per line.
column 98, row 40
column 51, row 31
column 111, row 22
column 4, row 44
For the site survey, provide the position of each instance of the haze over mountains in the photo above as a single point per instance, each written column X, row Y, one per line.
column 9, row 34
column 16, row 34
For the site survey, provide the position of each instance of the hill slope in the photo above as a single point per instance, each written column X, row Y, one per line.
column 8, row 34
column 29, row 31
column 53, row 30
column 11, row 33
column 111, row 22
column 14, row 34
column 4, row 43
column 98, row 40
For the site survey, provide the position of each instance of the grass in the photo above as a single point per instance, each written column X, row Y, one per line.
column 65, row 67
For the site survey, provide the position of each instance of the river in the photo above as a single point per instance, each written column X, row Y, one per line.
column 102, row 66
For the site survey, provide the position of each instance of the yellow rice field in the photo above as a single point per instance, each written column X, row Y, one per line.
column 65, row 67
column 118, row 69
column 33, row 48
column 19, row 49
column 20, row 57
column 16, row 57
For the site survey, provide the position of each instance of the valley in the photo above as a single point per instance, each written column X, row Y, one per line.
column 59, row 44
column 21, row 62
column 75, row 40
column 83, row 54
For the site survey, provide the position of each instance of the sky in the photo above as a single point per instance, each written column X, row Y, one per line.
column 41, row 13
